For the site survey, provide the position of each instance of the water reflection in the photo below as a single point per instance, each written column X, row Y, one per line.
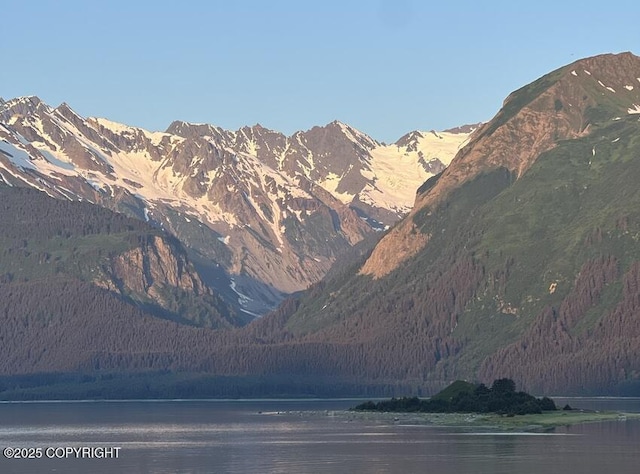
column 202, row 437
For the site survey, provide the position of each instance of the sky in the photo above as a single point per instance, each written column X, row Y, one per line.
column 384, row 67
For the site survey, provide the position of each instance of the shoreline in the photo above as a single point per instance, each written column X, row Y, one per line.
column 481, row 422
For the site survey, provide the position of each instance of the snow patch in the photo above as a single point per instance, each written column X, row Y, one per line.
column 586, row 72
column 121, row 129
column 251, row 313
column 331, row 183
column 629, row 88
column 5, row 180
column 66, row 193
column 252, row 146
column 55, row 161
column 397, row 172
column 634, row 110
column 117, row 128
column 606, row 87
column 97, row 185
column 23, row 179
column 242, row 298
column 225, row 240
column 615, row 140
column 18, row 157
column 573, row 73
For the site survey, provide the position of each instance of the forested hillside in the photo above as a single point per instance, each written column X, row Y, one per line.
column 45, row 239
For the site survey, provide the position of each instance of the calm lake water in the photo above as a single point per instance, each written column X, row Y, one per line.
column 262, row 437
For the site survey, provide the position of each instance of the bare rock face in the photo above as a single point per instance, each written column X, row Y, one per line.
column 152, row 266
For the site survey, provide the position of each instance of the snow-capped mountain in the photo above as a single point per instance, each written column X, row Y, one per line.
column 262, row 213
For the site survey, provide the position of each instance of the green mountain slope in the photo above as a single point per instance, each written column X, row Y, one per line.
column 527, row 267
column 43, row 239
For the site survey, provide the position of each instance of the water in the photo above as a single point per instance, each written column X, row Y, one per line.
column 192, row 437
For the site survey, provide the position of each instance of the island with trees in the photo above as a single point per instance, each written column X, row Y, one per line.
column 464, row 397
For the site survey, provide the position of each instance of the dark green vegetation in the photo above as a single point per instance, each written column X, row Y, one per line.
column 164, row 384
column 44, row 241
column 463, row 397
column 456, row 388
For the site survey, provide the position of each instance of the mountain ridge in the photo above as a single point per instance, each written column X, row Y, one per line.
column 265, row 214
column 523, row 116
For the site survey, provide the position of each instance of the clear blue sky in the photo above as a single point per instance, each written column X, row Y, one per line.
column 386, row 67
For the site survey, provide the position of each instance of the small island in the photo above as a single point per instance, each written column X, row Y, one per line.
column 478, row 407
column 464, row 397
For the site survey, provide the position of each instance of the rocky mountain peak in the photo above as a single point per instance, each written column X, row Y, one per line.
column 21, row 106
column 68, row 113
column 469, row 128
column 194, row 131
column 564, row 104
column 621, row 67
column 352, row 134
column 411, row 141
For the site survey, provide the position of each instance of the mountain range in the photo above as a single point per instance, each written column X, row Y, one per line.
column 261, row 214
column 520, row 259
